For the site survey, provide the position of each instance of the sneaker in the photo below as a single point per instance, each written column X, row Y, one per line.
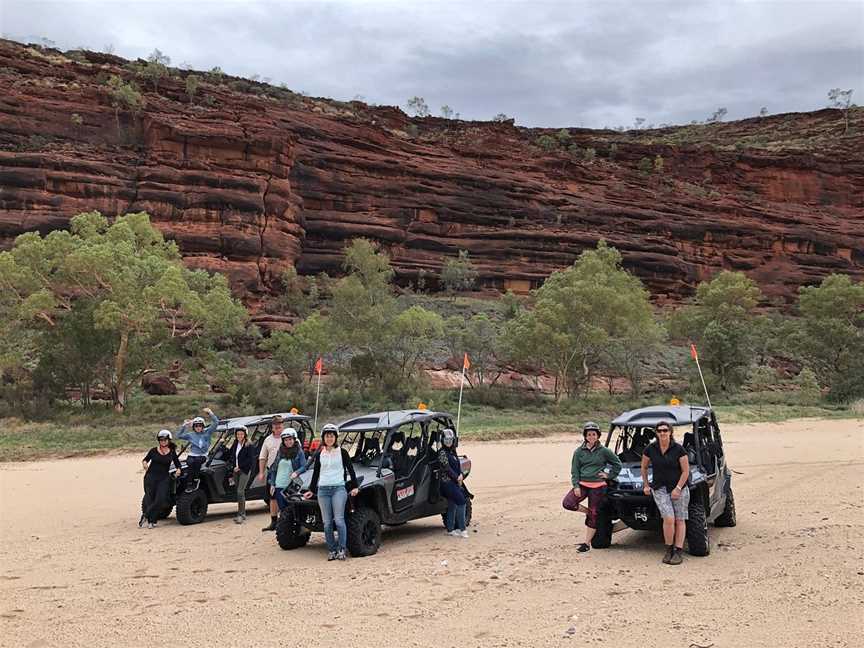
column 151, row 525
column 463, row 534
column 341, row 555
column 142, row 521
column 453, row 533
column 669, row 551
column 620, row 525
column 238, row 519
column 676, row 558
column 193, row 486
column 582, row 548
column 270, row 527
column 331, row 555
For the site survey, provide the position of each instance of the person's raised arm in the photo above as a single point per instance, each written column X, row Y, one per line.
column 214, row 421
column 182, row 433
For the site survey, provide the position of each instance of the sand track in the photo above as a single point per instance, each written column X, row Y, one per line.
column 77, row 571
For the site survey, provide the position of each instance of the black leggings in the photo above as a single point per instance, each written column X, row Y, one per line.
column 194, row 468
column 156, row 496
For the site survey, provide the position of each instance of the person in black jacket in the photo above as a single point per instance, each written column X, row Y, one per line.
column 451, row 485
column 156, row 464
column 242, row 457
column 333, row 479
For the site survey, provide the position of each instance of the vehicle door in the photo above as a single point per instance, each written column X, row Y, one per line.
column 709, row 460
column 407, row 451
column 718, row 493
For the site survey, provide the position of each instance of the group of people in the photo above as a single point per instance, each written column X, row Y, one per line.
column 593, row 464
column 280, row 461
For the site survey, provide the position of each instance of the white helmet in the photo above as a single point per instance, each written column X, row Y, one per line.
column 289, row 432
column 329, row 428
column 163, row 434
column 197, row 421
column 448, row 436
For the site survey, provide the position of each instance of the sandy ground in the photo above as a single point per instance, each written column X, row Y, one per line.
column 77, row 571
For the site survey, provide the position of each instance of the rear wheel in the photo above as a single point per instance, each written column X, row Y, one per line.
column 364, row 532
column 697, row 530
column 191, row 507
column 289, row 533
column 727, row 517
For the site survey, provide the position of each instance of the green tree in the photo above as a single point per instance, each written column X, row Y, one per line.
column 124, row 96
column 479, row 337
column 658, row 165
column 576, row 313
column 297, row 351
column 645, row 166
column 418, row 106
column 808, row 385
column 720, row 322
column 830, row 334
column 547, row 143
column 563, row 137
column 192, row 83
column 412, row 333
column 841, row 100
column 458, row 274
column 144, row 300
column 154, row 69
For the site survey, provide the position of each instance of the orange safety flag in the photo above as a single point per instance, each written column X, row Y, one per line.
column 693, row 353
column 466, row 363
column 319, row 366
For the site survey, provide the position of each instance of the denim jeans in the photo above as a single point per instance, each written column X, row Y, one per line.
column 455, row 517
column 332, row 500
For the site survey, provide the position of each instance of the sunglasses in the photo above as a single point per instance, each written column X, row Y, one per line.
column 663, row 430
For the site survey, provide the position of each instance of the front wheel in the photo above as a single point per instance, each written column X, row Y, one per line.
column 697, row 530
column 191, row 507
column 364, row 532
column 289, row 533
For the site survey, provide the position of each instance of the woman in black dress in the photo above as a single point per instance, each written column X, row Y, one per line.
column 157, row 463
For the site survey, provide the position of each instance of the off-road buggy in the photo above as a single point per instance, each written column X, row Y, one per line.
column 395, row 460
column 711, row 499
column 216, row 482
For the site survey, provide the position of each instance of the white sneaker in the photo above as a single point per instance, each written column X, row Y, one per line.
column 620, row 525
column 462, row 534
column 453, row 533
column 151, row 525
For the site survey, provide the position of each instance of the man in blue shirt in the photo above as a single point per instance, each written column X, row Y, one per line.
column 199, row 443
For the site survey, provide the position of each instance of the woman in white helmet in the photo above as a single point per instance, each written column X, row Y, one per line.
column 156, row 465
column 289, row 460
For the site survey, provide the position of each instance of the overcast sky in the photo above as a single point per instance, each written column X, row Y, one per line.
column 562, row 63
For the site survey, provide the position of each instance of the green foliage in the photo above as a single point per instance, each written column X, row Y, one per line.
column 501, row 118
column 76, row 119
column 458, row 274
column 563, row 136
column 645, row 166
column 613, row 151
column 296, row 352
column 808, row 385
column 720, row 322
column 658, row 165
column 547, row 143
column 446, row 112
column 215, row 75
column 829, row 335
column 479, row 337
column 145, row 303
column 577, row 312
column 153, row 70
column 124, row 96
column 192, row 83
column 761, row 378
column 589, row 155
column 418, row 106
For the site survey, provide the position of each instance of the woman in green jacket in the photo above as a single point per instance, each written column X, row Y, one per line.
column 592, row 464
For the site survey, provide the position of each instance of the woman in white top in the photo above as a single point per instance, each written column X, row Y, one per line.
column 333, row 479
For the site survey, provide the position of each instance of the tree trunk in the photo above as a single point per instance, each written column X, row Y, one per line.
column 118, row 389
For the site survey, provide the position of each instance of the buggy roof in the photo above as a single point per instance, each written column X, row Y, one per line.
column 247, row 421
column 674, row 414
column 388, row 420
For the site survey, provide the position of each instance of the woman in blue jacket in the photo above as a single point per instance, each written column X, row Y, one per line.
column 199, row 444
column 289, row 460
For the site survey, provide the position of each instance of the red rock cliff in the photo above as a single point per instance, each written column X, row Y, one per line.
column 251, row 179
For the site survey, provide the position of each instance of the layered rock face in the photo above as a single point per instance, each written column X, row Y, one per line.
column 250, row 180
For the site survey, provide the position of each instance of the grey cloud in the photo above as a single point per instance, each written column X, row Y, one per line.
column 546, row 63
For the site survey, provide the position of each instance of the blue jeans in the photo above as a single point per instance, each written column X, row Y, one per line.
column 455, row 516
column 280, row 498
column 332, row 500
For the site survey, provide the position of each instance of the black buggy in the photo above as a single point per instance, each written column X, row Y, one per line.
column 395, row 460
column 216, row 483
column 710, row 482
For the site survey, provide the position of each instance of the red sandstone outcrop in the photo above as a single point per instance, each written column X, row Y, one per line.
column 250, row 180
